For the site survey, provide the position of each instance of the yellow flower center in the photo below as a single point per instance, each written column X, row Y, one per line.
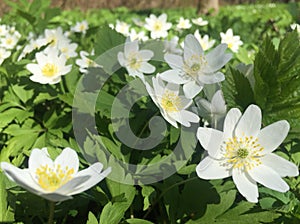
column 49, row 70
column 9, row 41
column 197, row 63
column 82, row 27
column 134, row 62
column 230, row 45
column 243, row 153
column 157, row 26
column 170, row 102
column 51, row 179
column 195, row 67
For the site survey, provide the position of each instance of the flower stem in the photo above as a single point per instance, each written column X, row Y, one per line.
column 51, row 212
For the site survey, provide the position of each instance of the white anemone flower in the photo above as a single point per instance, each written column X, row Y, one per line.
column 232, row 41
column 84, row 62
column 67, row 49
column 138, row 35
column 9, row 41
column 122, row 27
column 80, row 27
column 172, row 106
column 195, row 69
column 158, row 26
column 214, row 110
column 172, row 47
column 200, row 21
column 295, row 26
column 4, row 30
column 54, row 36
column 244, row 151
column 55, row 180
column 135, row 60
column 4, row 54
column 49, row 68
column 204, row 41
column 183, row 23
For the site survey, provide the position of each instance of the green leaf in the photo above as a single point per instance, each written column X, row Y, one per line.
column 24, row 95
column 138, row 221
column 243, row 212
column 148, row 193
column 92, row 219
column 215, row 210
column 277, row 83
column 122, row 198
column 106, row 39
column 237, row 89
column 6, row 214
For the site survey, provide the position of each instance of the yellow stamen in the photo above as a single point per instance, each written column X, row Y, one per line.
column 170, row 102
column 51, row 179
column 49, row 70
column 243, row 153
column 157, row 26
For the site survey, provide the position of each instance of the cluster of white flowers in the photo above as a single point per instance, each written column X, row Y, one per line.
column 51, row 62
column 242, row 150
column 9, row 38
column 158, row 26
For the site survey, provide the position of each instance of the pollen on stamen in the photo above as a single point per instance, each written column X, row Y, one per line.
column 243, row 152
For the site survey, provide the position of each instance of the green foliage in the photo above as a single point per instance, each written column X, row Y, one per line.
column 274, row 84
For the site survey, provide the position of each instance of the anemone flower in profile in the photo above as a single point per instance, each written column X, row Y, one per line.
column 172, row 106
column 55, row 180
column 244, row 151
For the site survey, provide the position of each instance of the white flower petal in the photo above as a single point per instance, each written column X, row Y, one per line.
column 173, row 76
column 158, row 86
column 250, row 122
column 174, row 61
column 245, row 185
column 218, row 103
column 191, row 46
column 130, row 47
column 269, row 178
column 168, row 118
column 211, row 140
column 191, row 89
column 94, row 171
column 185, row 117
column 146, row 55
column 217, row 58
column 68, row 158
column 55, row 197
column 121, row 59
column 280, row 165
column 211, row 78
column 69, row 187
column 273, row 135
column 147, row 68
column 231, row 120
column 210, row 169
column 22, row 177
column 34, row 68
column 38, row 158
